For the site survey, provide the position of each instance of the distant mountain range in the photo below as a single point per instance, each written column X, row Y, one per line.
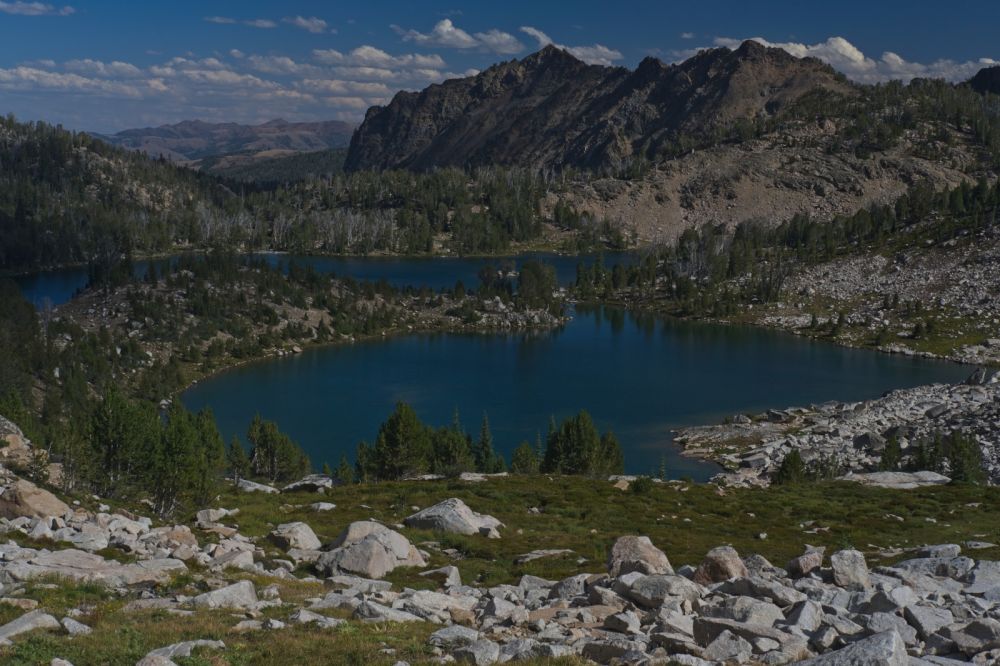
column 193, row 140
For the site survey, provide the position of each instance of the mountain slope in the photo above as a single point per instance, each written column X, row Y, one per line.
column 986, row 80
column 193, row 139
column 551, row 109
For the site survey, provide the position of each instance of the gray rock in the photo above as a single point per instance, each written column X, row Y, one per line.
column 885, row 649
column 369, row 549
column 31, row 621
column 239, row 596
column 977, row 636
column 727, row 646
column 927, row 620
column 624, row 623
column 637, row 553
column 652, row 591
column 312, row 483
column 453, row 637
column 481, row 653
column 850, row 569
column 185, row 648
column 809, row 561
column 295, row 535
column 303, row 616
column 720, row 563
column 453, row 515
column 371, row 611
column 253, row 487
column 74, row 628
column 745, row 609
column 448, row 576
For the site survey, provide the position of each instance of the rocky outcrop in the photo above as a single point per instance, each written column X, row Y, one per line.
column 986, row 80
column 22, row 564
column 551, row 109
column 855, row 433
column 21, row 497
column 454, row 515
column 368, row 549
column 920, row 611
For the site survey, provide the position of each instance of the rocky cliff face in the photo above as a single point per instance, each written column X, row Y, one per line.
column 551, row 109
column 987, row 80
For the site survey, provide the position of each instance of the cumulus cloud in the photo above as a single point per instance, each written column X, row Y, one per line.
column 595, row 54
column 311, row 24
column 845, row 57
column 35, row 9
column 31, row 78
column 106, row 70
column 229, row 86
column 687, row 35
column 446, row 34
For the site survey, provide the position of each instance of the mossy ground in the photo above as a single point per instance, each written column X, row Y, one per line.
column 584, row 515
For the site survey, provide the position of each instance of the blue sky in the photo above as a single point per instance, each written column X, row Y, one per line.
column 107, row 66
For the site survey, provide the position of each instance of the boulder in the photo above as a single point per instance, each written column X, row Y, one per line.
column 850, row 569
column 36, row 619
column 745, row 609
column 185, row 648
column 454, row 636
column 314, row 483
column 637, row 553
column 81, row 566
column 295, row 535
column 238, row 596
column 652, row 591
column 248, row 486
column 23, row 498
column 481, row 653
column 885, row 649
column 809, row 561
column 720, row 563
column 453, row 515
column 368, row 549
column 977, row 636
column 729, row 647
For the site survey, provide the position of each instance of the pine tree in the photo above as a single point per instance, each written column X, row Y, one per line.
column 524, row 460
column 344, row 473
column 487, row 460
column 791, row 470
column 239, row 463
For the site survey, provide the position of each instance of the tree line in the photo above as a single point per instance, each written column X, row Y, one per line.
column 406, row 447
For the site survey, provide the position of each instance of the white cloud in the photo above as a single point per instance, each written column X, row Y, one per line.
column 35, row 9
column 30, row 78
column 596, row 54
column 311, row 24
column 687, row 35
column 107, row 70
column 279, row 65
column 446, row 34
column 253, row 23
column 845, row 57
column 236, row 53
column 371, row 56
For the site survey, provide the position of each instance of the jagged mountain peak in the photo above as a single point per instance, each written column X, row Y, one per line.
column 552, row 109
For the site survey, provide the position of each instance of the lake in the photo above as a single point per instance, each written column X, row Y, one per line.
column 59, row 286
column 639, row 376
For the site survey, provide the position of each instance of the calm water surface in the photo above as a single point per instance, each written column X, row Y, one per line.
column 638, row 376
column 58, row 286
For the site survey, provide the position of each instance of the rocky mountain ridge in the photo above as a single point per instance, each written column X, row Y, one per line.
column 551, row 109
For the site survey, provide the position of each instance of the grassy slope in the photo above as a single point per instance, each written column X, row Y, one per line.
column 584, row 515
